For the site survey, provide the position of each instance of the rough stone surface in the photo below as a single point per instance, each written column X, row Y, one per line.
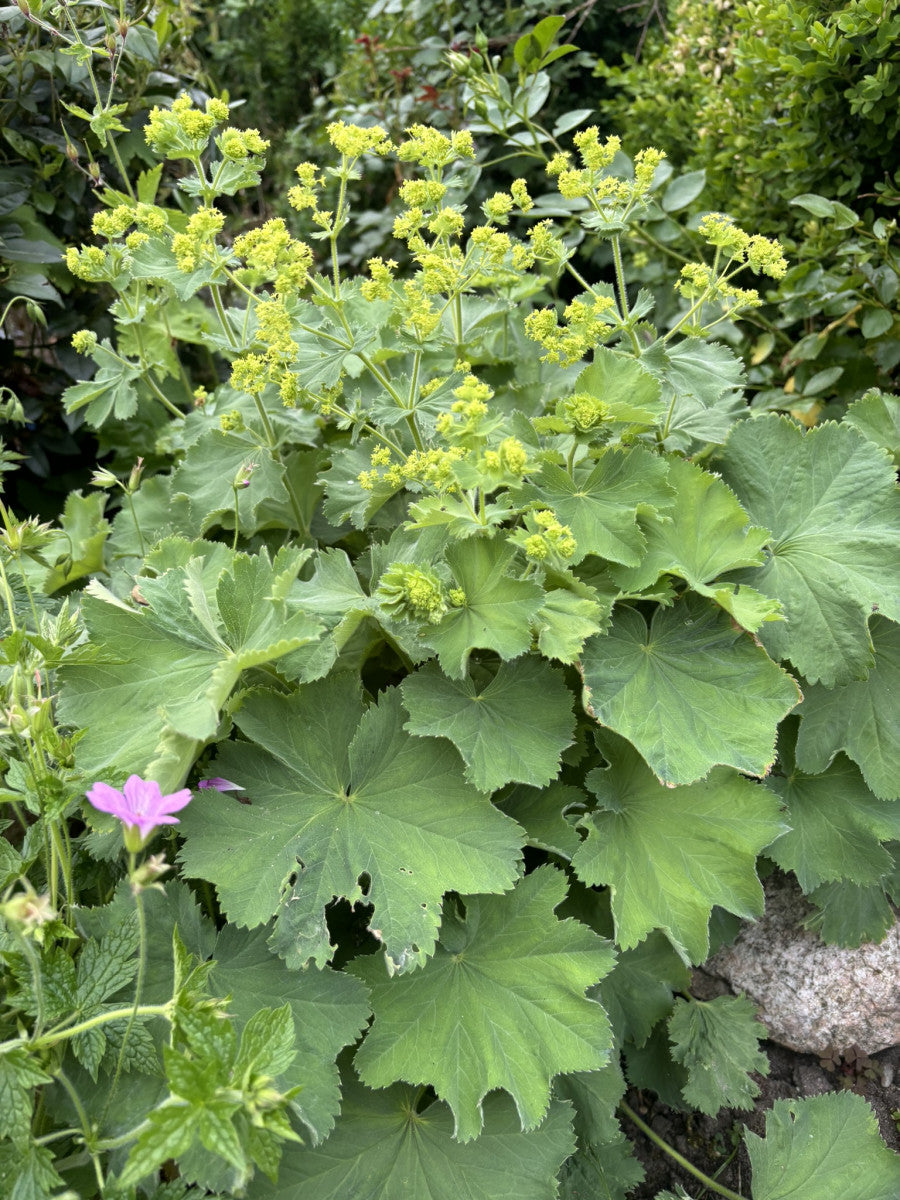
column 814, row 998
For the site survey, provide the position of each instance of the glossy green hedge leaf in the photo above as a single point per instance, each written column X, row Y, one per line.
column 682, row 190
column 861, row 718
column 691, row 692
column 385, row 1145
column 876, row 415
column 717, row 1042
column 829, row 497
column 823, row 1146
column 166, row 670
column 601, row 503
column 330, row 1010
column 705, row 535
column 339, row 793
column 497, row 611
column 508, row 966
column 502, row 735
column 669, row 854
column 836, row 824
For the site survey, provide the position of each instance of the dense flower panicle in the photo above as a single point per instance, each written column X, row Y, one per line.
column 139, row 806
column 354, row 140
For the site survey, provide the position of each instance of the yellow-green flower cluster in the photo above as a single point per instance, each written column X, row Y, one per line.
column 411, row 593
column 554, row 538
column 430, row 148
column 84, row 341
column 238, row 144
column 92, row 263
column 583, row 411
column 378, row 285
column 520, row 194
column 354, row 140
column 183, row 131
column 762, row 255
column 275, row 330
column 699, row 280
column 510, row 458
column 420, row 317
column 231, row 422
column 305, row 194
column 112, row 223
column 591, row 180
column 150, row 218
column 498, row 207
column 586, row 326
column 249, row 373
column 190, row 247
column 468, row 409
column 271, row 254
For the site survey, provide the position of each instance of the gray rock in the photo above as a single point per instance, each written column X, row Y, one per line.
column 814, row 998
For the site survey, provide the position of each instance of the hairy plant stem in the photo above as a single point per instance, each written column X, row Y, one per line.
column 54, row 1036
column 86, row 1132
column 673, row 1153
column 138, row 985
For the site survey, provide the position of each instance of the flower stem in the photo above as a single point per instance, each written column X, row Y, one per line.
column 138, row 986
column 673, row 1153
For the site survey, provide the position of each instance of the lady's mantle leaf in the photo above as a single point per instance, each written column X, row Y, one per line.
column 690, row 693
column 861, row 718
column 707, row 533
column 824, row 1146
column 848, row 914
column 338, row 794
column 497, row 611
column 717, row 1041
column 501, row 733
column 670, row 854
column 601, row 504
column 385, row 1147
column 507, row 968
column 830, row 500
column 329, row 1008
column 836, row 824
column 169, row 668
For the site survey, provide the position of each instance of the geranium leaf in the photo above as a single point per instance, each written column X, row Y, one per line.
column 384, row 1145
column 507, row 966
column 706, row 534
column 822, row 1146
column 168, row 668
column 836, row 824
column 669, row 854
column 861, row 718
column 601, row 503
column 497, row 611
column 500, row 733
column 330, row 1009
column 829, row 497
column 338, row 793
column 717, row 1042
column 690, row 692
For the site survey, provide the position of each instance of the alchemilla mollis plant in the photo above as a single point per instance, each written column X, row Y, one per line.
column 486, row 648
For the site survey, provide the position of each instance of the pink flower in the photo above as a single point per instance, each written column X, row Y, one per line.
column 142, row 807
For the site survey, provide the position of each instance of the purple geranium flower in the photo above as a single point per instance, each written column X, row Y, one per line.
column 141, row 806
column 220, row 784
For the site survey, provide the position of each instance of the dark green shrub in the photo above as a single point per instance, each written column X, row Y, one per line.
column 769, row 91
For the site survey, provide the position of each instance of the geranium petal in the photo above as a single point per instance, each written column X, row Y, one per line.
column 175, row 802
column 108, row 800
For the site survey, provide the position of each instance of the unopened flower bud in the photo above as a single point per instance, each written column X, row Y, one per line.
column 71, row 152
column 134, row 478
column 110, row 42
column 94, row 171
column 148, row 872
column 481, row 41
column 23, row 8
column 122, row 28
